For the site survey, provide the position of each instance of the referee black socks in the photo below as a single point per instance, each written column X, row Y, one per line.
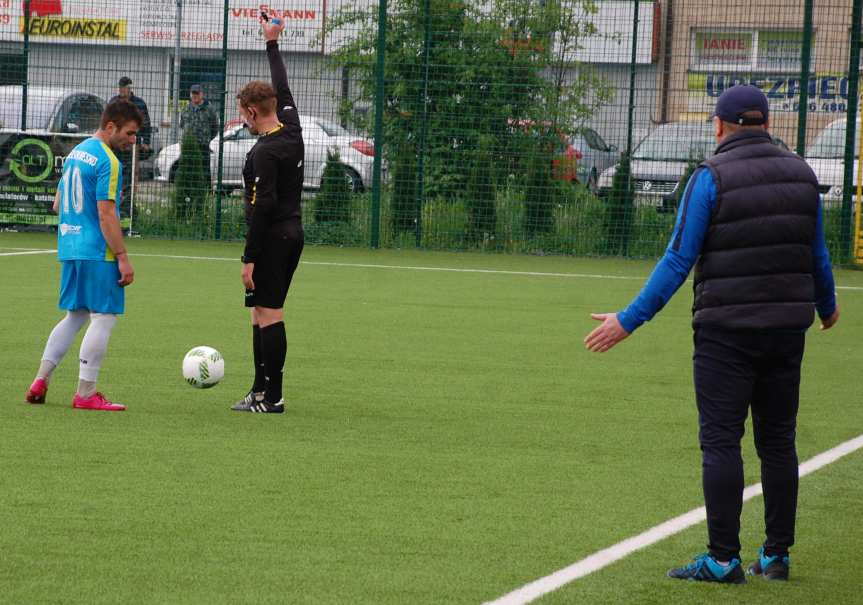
column 274, row 348
column 260, row 374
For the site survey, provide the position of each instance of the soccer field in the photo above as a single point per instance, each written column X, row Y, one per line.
column 447, row 439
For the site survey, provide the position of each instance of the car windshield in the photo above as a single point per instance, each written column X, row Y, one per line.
column 332, row 129
column 830, row 144
column 677, row 143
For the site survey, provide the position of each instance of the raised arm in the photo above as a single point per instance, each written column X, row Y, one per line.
column 272, row 29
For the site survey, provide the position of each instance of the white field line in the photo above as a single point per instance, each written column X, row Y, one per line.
column 598, row 560
column 416, row 268
column 25, row 253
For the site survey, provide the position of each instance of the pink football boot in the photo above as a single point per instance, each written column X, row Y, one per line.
column 96, row 401
column 37, row 391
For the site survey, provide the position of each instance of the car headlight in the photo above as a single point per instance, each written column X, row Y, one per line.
column 605, row 178
column 835, row 192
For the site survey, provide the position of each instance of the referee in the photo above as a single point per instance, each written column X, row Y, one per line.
column 751, row 224
column 273, row 178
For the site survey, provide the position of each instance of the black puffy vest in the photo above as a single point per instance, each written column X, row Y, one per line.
column 755, row 268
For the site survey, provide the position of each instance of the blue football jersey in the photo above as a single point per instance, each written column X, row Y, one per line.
column 91, row 173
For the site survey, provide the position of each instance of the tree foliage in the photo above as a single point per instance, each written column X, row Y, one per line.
column 464, row 80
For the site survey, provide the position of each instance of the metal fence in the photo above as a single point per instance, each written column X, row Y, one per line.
column 539, row 126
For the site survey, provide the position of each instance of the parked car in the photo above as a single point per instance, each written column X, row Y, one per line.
column 565, row 157
column 319, row 135
column 50, row 109
column 660, row 160
column 826, row 156
column 593, row 156
column 31, row 159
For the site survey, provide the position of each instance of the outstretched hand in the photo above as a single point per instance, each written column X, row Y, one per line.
column 608, row 334
column 829, row 322
column 272, row 28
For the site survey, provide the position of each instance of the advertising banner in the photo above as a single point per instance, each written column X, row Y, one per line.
column 153, row 23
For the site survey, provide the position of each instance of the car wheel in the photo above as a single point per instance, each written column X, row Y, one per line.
column 172, row 174
column 593, row 182
column 355, row 183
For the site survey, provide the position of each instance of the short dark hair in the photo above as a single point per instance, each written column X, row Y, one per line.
column 260, row 95
column 121, row 111
column 753, row 115
column 124, row 81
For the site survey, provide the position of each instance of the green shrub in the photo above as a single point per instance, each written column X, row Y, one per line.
column 333, row 200
column 191, row 185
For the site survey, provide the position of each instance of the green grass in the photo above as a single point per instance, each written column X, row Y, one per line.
column 447, row 439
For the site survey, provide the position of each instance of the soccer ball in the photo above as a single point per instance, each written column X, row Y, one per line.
column 203, row 367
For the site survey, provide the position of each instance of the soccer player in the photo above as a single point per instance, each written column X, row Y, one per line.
column 95, row 266
column 273, row 178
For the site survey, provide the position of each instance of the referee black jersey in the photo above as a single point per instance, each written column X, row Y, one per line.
column 273, row 171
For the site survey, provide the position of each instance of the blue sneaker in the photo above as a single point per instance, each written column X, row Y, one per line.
column 705, row 569
column 771, row 568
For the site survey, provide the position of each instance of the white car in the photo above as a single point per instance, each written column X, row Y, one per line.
column 826, row 156
column 319, row 135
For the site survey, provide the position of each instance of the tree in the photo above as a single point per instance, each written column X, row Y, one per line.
column 461, row 78
column 480, row 194
column 333, row 201
column 191, row 185
column 620, row 211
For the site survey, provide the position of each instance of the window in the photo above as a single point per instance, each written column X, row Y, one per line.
column 206, row 71
column 12, row 69
column 722, row 50
column 830, row 143
column 594, row 141
column 747, row 50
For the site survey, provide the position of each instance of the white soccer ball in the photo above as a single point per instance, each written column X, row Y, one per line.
column 203, row 367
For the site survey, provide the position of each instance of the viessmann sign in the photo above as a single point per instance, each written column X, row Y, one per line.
column 152, row 23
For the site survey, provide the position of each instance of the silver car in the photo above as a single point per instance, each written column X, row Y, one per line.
column 660, row 160
column 826, row 156
column 593, row 156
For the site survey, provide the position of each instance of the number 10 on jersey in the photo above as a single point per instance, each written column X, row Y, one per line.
column 72, row 188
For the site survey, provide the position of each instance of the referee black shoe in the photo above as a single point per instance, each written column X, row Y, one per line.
column 248, row 399
column 255, row 403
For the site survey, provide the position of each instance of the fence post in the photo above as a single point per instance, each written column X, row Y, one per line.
column 850, row 130
column 421, row 150
column 805, row 63
column 175, row 118
column 220, row 165
column 379, row 126
column 629, row 201
column 26, row 64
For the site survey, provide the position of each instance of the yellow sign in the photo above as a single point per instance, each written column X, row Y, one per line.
column 76, row 27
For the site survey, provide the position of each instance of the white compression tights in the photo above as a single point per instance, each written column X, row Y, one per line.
column 63, row 334
column 95, row 344
column 93, row 347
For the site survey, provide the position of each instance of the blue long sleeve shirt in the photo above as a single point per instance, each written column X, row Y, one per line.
column 687, row 239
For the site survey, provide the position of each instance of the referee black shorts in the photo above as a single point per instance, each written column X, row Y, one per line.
column 275, row 267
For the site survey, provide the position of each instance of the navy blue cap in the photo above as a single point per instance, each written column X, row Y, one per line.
column 737, row 100
column 196, row 88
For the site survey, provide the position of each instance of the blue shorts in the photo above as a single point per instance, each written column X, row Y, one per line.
column 91, row 285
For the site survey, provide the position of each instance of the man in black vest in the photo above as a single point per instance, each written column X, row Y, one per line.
column 750, row 222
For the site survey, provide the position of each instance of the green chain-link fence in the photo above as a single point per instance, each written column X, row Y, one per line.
column 541, row 126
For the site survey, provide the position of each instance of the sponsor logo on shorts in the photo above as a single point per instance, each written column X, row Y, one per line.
column 69, row 229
